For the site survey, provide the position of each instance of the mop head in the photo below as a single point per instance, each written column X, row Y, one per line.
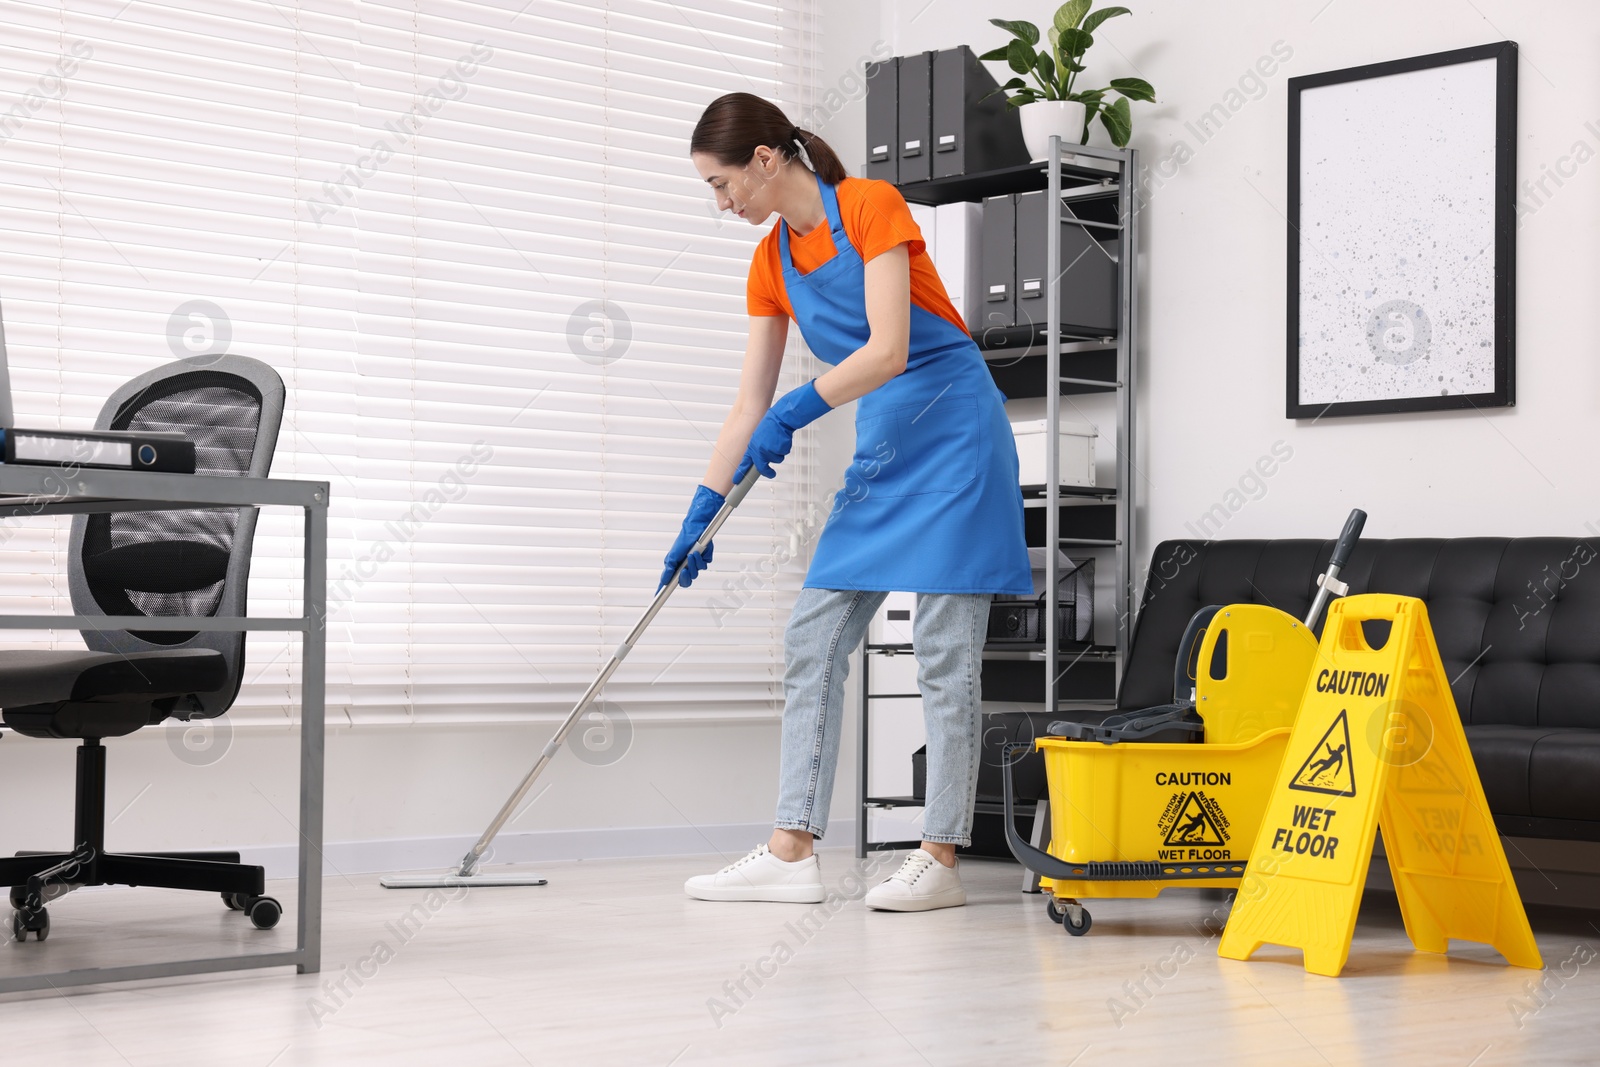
column 452, row 879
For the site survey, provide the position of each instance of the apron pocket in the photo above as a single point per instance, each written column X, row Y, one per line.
column 917, row 449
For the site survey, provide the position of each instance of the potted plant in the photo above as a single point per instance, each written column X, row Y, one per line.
column 1056, row 104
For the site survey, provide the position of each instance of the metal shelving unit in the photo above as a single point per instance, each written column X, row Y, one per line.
column 1097, row 365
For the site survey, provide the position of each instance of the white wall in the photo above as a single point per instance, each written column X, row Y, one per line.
column 1213, row 270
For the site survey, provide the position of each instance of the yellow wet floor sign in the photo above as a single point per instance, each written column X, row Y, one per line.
column 1377, row 743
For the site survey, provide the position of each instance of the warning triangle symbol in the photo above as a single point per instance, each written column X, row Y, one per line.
column 1194, row 825
column 1327, row 769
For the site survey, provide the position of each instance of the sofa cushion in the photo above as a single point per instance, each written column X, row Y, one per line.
column 1564, row 781
column 1504, row 758
column 1541, row 772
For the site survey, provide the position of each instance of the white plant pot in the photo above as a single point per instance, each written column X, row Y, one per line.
column 1042, row 118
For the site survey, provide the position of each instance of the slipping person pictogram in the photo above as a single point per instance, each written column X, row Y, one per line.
column 1327, row 769
column 1194, row 824
column 1329, row 765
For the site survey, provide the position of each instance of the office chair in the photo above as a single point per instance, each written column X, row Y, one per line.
column 191, row 562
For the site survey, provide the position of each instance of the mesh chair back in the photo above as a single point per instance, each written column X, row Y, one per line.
column 193, row 562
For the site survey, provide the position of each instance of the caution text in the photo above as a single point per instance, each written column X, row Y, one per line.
column 1353, row 683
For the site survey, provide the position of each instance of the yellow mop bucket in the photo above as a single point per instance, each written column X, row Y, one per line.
column 1132, row 819
column 1174, row 813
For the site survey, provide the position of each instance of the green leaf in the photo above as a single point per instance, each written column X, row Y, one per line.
column 1118, row 122
column 1088, row 116
column 1014, row 85
column 1075, row 43
column 1134, row 88
column 1047, row 72
column 997, row 55
column 1021, row 98
column 1023, row 31
column 1054, row 36
column 1021, row 56
column 1090, row 96
column 1071, row 13
column 1100, row 16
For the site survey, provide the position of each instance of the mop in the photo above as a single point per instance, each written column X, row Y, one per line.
column 467, row 873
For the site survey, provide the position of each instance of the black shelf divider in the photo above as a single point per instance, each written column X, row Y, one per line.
column 1024, row 178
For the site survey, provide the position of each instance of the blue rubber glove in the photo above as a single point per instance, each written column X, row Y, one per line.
column 702, row 509
column 774, row 435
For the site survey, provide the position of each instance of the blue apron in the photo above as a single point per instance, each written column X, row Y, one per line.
column 931, row 501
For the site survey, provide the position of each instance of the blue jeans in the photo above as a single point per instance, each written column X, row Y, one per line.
column 827, row 625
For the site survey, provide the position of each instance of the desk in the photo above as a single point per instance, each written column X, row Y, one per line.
column 29, row 491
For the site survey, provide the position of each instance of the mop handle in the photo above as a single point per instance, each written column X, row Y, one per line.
column 1328, row 584
column 469, row 862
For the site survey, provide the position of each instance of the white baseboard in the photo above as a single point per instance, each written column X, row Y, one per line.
column 537, row 846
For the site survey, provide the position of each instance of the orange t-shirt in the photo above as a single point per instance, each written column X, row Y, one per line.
column 876, row 219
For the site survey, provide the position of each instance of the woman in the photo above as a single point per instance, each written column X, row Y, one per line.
column 933, row 507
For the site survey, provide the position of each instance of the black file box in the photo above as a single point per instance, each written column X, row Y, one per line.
column 883, row 121
column 1088, row 267
column 972, row 131
column 997, row 308
column 914, row 94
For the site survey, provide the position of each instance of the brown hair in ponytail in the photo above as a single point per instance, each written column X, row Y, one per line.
column 733, row 126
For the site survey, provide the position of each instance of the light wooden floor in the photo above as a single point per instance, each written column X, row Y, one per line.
column 610, row 964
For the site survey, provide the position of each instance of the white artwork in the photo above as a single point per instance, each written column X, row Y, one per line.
column 1400, row 297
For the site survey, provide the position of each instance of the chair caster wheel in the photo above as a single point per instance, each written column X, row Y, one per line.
column 1075, row 920
column 37, row 922
column 19, row 897
column 264, row 912
column 232, row 901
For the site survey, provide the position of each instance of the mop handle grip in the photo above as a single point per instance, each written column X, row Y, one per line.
column 1341, row 555
column 1348, row 539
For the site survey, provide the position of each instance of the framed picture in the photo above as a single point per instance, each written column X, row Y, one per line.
column 1402, row 235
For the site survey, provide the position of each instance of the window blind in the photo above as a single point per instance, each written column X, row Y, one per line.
column 507, row 314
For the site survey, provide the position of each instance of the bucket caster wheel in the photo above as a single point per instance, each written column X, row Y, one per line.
column 37, row 922
column 1053, row 911
column 1075, row 920
column 264, row 912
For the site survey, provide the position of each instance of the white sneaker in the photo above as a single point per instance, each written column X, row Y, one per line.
column 921, row 884
column 761, row 876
